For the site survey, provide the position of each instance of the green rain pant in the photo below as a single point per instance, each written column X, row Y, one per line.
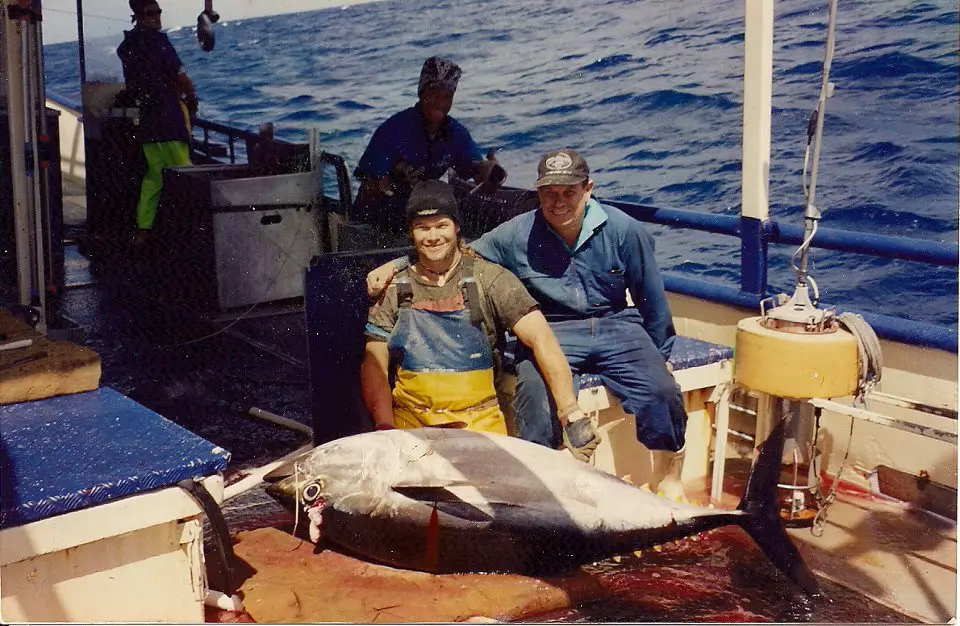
column 159, row 155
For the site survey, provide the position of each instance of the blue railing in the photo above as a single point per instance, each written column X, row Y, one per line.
column 922, row 251
column 755, row 237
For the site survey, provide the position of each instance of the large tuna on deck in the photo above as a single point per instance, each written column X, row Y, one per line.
column 445, row 501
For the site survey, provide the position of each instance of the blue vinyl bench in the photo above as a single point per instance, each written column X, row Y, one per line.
column 91, row 515
column 71, row 452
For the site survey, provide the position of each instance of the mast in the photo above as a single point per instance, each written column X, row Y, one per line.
column 755, row 182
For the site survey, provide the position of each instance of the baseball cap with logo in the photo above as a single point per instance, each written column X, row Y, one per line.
column 562, row 167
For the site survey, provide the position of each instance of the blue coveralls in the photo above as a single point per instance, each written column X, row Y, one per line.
column 403, row 137
column 582, row 293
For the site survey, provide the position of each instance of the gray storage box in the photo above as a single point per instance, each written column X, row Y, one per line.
column 240, row 239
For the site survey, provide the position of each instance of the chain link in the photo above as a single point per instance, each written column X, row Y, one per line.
column 824, row 502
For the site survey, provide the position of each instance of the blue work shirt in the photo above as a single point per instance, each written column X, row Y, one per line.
column 150, row 69
column 613, row 253
column 403, row 137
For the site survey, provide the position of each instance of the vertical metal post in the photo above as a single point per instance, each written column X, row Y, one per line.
column 82, row 49
column 757, row 101
column 13, row 70
column 753, row 256
column 30, row 80
column 45, row 148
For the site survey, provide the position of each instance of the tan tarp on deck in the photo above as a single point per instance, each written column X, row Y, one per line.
column 288, row 583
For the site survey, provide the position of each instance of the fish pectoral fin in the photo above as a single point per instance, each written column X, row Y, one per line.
column 464, row 511
column 413, row 482
column 445, row 501
column 428, row 493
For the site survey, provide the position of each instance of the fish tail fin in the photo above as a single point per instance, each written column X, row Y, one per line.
column 763, row 522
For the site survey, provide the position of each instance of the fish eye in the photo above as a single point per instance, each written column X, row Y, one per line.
column 311, row 493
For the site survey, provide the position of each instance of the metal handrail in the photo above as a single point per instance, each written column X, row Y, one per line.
column 232, row 134
column 684, row 218
column 343, row 179
column 885, row 246
column 920, row 250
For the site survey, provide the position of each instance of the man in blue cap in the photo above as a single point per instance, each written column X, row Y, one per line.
column 166, row 98
column 416, row 144
column 578, row 258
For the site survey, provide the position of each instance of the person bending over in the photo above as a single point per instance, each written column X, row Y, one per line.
column 416, row 144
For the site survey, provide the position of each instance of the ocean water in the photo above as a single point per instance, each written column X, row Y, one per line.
column 650, row 92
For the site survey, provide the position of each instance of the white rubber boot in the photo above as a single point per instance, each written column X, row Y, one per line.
column 667, row 467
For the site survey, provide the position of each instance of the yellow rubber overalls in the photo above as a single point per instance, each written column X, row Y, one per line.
column 445, row 372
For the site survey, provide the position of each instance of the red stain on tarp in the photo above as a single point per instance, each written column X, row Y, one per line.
column 433, row 541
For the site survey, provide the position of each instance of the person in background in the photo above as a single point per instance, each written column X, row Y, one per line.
column 419, row 143
column 442, row 320
column 166, row 99
column 578, row 258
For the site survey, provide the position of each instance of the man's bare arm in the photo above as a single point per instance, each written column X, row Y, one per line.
column 375, row 383
column 534, row 331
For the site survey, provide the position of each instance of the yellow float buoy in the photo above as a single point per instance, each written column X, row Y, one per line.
column 795, row 365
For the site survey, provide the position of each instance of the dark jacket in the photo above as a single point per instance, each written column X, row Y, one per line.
column 150, row 69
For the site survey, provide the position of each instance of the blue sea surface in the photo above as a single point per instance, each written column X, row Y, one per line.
column 650, row 92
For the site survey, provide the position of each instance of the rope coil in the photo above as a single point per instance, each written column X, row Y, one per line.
column 869, row 356
column 870, row 362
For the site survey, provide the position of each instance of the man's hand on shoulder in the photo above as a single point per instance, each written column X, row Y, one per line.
column 379, row 278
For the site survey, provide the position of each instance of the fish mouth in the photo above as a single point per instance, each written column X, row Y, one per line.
column 282, row 494
column 287, row 493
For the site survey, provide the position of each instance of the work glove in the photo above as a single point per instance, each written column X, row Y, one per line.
column 192, row 103
column 403, row 174
column 490, row 174
column 580, row 437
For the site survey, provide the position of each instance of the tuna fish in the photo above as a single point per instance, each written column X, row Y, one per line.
column 446, row 501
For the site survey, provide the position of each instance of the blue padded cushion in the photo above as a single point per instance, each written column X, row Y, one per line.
column 687, row 352
column 68, row 453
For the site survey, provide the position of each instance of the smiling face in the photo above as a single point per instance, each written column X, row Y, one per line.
column 564, row 205
column 435, row 237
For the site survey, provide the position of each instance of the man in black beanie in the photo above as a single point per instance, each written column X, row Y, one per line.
column 442, row 319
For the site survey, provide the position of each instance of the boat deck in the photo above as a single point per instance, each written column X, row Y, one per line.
column 878, row 560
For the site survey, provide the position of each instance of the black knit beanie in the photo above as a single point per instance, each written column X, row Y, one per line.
column 432, row 197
